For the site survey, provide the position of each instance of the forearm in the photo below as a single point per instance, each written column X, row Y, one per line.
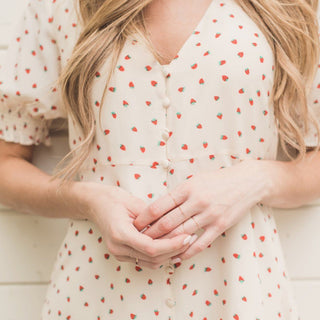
column 292, row 183
column 29, row 190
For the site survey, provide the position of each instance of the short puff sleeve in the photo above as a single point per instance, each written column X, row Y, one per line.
column 29, row 97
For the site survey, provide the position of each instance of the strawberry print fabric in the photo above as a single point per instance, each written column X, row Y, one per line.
column 207, row 109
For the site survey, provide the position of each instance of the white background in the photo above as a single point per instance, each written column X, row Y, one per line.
column 29, row 244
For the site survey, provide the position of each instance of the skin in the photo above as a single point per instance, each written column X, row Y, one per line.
column 213, row 200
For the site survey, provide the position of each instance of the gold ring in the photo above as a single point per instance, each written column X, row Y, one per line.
column 137, row 261
column 184, row 231
column 196, row 223
column 172, row 198
column 182, row 212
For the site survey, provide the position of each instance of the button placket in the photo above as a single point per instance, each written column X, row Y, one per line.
column 165, row 163
column 170, row 303
column 166, row 102
column 166, row 134
column 169, row 269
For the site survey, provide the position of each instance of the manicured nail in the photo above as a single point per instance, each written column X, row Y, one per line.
column 193, row 239
column 176, row 260
column 187, row 240
column 145, row 228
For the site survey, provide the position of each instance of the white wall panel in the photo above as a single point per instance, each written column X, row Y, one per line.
column 298, row 231
column 308, row 297
column 28, row 247
column 21, row 302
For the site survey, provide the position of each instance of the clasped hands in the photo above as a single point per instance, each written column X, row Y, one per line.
column 165, row 229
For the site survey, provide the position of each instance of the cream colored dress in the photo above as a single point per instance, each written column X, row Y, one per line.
column 209, row 108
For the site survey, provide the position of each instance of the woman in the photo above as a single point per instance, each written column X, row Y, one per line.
column 175, row 110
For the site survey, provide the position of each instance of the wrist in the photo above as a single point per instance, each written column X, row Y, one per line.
column 275, row 175
column 83, row 194
column 262, row 178
column 74, row 199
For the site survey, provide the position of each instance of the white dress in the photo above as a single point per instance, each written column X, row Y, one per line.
column 209, row 108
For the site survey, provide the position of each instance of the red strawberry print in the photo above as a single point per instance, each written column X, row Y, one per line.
column 154, row 83
column 121, row 68
column 208, row 104
column 225, row 78
column 192, row 101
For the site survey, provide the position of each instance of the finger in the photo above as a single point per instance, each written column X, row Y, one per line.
column 132, row 253
column 160, row 207
column 190, row 226
column 141, row 263
column 200, row 244
column 136, row 205
column 154, row 247
column 172, row 220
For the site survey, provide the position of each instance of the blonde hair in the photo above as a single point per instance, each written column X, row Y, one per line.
column 290, row 27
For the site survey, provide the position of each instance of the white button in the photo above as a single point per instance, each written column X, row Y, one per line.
column 165, row 134
column 169, row 269
column 165, row 70
column 165, row 163
column 170, row 303
column 166, row 102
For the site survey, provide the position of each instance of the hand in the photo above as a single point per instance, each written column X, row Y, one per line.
column 211, row 200
column 113, row 210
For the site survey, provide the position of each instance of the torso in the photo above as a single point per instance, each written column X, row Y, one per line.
column 170, row 23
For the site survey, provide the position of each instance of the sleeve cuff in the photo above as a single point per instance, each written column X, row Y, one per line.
column 24, row 129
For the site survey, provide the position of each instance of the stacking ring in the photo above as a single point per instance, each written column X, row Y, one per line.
column 196, row 223
column 184, row 231
column 172, row 198
column 182, row 212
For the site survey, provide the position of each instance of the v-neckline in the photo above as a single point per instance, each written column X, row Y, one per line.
column 186, row 42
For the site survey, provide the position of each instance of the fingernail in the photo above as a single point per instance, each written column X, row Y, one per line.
column 176, row 260
column 187, row 239
column 145, row 228
column 193, row 239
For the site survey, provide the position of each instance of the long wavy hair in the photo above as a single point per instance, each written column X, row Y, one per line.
column 290, row 27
